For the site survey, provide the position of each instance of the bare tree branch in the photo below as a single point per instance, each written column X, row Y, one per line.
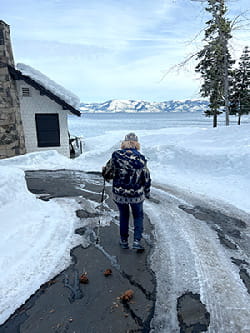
column 179, row 66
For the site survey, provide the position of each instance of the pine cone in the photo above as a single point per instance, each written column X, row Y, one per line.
column 127, row 295
column 84, row 278
column 107, row 272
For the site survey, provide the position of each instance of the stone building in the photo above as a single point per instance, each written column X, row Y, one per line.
column 33, row 113
column 11, row 129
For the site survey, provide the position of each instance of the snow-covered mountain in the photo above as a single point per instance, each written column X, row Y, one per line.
column 116, row 105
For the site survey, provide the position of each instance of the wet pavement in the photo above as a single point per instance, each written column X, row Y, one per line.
column 66, row 305
column 231, row 232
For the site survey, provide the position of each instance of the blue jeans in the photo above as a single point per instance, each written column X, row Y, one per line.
column 137, row 211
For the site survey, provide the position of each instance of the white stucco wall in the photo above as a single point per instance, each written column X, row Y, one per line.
column 37, row 103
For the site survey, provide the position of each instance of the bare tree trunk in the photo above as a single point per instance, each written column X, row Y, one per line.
column 226, row 82
column 226, row 95
column 215, row 120
column 239, row 119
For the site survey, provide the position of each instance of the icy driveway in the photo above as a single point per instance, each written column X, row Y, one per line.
column 204, row 248
column 202, row 252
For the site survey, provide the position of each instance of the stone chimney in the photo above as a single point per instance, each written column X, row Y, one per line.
column 11, row 129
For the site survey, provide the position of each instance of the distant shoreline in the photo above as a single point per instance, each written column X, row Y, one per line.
column 137, row 112
column 131, row 106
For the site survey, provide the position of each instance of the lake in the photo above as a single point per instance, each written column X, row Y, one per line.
column 94, row 124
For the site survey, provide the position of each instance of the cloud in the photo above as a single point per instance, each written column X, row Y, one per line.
column 104, row 49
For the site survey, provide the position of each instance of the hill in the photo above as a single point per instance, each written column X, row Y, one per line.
column 144, row 106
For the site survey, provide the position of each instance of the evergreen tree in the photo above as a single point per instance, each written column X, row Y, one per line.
column 240, row 89
column 215, row 60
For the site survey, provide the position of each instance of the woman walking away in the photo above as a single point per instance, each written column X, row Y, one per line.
column 131, row 185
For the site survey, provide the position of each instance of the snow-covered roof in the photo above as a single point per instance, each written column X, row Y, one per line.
column 50, row 88
column 49, row 84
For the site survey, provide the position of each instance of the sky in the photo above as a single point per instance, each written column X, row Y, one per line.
column 113, row 49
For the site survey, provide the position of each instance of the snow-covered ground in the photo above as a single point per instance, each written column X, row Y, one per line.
column 190, row 154
column 36, row 236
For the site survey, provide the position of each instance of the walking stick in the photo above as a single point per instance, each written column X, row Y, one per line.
column 101, row 206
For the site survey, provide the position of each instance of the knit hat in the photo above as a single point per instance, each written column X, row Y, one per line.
column 131, row 137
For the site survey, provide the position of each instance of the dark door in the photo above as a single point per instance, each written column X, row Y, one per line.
column 47, row 129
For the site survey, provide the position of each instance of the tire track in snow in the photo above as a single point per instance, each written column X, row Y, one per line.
column 190, row 257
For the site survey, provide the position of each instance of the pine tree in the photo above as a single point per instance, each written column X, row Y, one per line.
column 240, row 89
column 215, row 60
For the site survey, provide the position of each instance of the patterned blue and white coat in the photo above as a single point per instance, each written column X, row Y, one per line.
column 131, row 177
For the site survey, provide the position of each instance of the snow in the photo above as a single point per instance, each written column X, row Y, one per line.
column 50, row 85
column 212, row 162
column 194, row 260
column 44, row 160
column 36, row 236
column 116, row 105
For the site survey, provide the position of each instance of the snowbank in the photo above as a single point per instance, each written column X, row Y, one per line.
column 212, row 162
column 43, row 160
column 36, row 238
column 50, row 85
